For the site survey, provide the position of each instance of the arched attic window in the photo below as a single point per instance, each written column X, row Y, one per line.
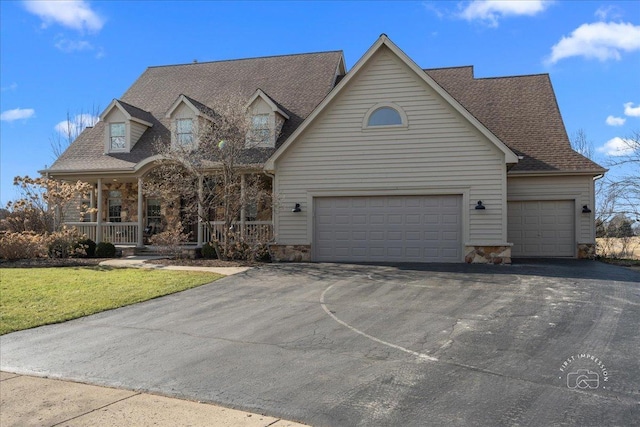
column 384, row 115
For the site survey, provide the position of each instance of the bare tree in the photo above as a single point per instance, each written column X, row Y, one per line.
column 68, row 130
column 581, row 144
column 211, row 175
column 626, row 186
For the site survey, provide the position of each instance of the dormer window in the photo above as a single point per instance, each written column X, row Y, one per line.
column 267, row 119
column 260, row 132
column 117, row 136
column 124, row 126
column 184, row 131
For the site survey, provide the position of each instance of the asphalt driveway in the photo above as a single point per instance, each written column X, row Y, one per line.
column 536, row 343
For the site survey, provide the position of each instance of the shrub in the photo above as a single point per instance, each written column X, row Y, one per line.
column 105, row 250
column 65, row 243
column 22, row 246
column 170, row 241
column 261, row 253
column 208, row 251
column 86, row 245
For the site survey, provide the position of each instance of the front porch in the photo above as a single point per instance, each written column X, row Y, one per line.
column 122, row 214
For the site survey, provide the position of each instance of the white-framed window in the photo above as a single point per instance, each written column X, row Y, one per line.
column 184, row 131
column 117, row 136
column 384, row 116
column 115, row 206
column 154, row 217
column 260, row 132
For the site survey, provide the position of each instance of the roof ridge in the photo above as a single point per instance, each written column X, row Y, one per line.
column 245, row 59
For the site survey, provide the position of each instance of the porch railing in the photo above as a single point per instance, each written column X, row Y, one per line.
column 121, row 233
column 86, row 228
column 127, row 232
column 260, row 231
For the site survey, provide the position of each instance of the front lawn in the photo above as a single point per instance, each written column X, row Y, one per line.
column 31, row 297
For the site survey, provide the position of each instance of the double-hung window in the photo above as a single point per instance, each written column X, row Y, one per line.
column 115, row 206
column 260, row 131
column 117, row 136
column 184, row 131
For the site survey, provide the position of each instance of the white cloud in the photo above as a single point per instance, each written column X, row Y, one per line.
column 615, row 121
column 74, row 14
column 609, row 12
column 13, row 86
column 600, row 40
column 630, row 110
column 69, row 46
column 74, row 126
column 617, row 147
column 17, row 114
column 491, row 11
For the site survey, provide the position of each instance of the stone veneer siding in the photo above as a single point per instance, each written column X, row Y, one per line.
column 487, row 254
column 586, row 250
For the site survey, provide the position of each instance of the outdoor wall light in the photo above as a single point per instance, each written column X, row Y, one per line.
column 480, row 206
column 296, row 208
column 585, row 209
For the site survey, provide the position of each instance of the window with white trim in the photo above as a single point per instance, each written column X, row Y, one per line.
column 117, row 136
column 115, row 206
column 260, row 132
column 385, row 116
column 184, row 131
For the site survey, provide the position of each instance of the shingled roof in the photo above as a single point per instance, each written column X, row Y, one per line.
column 522, row 112
column 296, row 82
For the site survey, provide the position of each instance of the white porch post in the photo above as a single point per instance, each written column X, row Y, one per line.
column 92, row 204
column 200, row 213
column 243, row 211
column 99, row 215
column 140, row 242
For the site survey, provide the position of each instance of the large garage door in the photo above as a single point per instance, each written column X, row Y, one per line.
column 542, row 228
column 388, row 229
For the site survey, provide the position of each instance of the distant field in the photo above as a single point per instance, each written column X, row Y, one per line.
column 615, row 247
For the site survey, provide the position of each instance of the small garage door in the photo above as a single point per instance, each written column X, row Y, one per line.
column 542, row 228
column 388, row 229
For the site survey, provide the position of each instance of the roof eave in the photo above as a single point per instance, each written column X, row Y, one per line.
column 585, row 172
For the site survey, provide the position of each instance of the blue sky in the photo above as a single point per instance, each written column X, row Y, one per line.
column 75, row 56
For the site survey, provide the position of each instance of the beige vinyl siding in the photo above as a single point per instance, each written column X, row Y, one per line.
column 578, row 188
column 438, row 153
column 136, row 129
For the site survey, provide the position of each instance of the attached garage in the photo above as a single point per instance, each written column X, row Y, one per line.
column 542, row 228
column 388, row 229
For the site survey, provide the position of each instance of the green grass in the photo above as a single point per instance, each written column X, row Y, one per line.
column 31, row 297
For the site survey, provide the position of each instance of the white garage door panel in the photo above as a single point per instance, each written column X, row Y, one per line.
column 388, row 229
column 542, row 228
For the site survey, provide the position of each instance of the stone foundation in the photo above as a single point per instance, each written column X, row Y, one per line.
column 586, row 250
column 487, row 254
column 290, row 253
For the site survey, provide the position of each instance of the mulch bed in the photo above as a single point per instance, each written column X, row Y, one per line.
column 79, row 262
column 51, row 262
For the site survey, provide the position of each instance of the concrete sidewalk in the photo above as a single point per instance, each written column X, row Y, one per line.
column 33, row 401
column 140, row 262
